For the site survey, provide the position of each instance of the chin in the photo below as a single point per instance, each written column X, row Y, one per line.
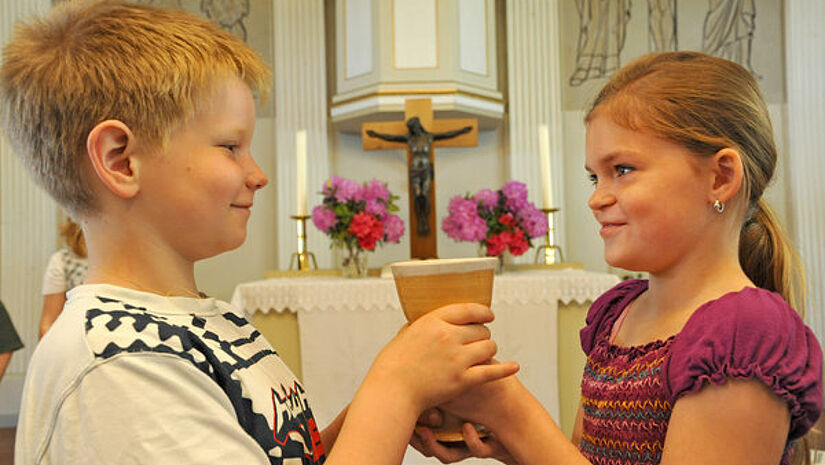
column 235, row 242
column 625, row 263
column 220, row 247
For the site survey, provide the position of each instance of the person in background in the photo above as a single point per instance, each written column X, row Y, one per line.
column 9, row 340
column 707, row 361
column 66, row 269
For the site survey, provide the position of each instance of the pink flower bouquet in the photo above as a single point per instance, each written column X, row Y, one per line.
column 498, row 220
column 358, row 217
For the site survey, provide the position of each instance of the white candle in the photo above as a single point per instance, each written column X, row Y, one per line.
column 301, row 171
column 546, row 172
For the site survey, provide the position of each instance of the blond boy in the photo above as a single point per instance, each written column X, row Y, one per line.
column 139, row 122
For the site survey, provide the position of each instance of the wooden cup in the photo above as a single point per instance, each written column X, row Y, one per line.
column 425, row 285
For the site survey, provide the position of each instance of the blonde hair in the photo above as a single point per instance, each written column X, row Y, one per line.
column 705, row 104
column 72, row 234
column 89, row 61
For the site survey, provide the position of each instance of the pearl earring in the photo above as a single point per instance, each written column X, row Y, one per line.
column 719, row 206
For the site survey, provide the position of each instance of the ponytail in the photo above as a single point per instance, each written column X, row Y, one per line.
column 767, row 257
column 73, row 235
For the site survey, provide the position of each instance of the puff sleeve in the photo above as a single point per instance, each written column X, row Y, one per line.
column 751, row 334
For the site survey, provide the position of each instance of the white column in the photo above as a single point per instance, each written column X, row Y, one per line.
column 806, row 119
column 534, row 98
column 300, row 97
column 28, row 236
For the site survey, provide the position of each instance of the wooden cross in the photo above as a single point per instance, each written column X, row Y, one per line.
column 420, row 141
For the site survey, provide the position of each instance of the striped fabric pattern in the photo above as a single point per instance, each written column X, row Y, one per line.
column 625, row 409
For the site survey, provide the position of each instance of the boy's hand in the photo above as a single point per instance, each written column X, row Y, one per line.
column 440, row 355
column 424, row 441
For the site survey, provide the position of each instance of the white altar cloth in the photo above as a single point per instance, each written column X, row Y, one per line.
column 343, row 324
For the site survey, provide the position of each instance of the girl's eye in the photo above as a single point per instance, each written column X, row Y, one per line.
column 622, row 170
column 592, row 178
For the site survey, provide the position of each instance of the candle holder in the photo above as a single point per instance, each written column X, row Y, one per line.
column 547, row 253
column 302, row 257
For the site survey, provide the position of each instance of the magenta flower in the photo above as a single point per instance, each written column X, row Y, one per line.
column 393, row 228
column 342, row 189
column 463, row 223
column 374, row 190
column 486, row 198
column 499, row 220
column 516, row 194
column 357, row 216
column 323, row 218
column 376, row 208
column 533, row 221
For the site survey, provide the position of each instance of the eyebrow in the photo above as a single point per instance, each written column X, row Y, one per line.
column 610, row 157
column 232, row 132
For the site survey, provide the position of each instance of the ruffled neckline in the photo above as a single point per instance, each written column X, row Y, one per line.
column 635, row 350
column 630, row 291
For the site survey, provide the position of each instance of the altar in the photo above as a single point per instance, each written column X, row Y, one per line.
column 343, row 323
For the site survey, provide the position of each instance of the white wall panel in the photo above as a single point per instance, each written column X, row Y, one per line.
column 472, row 32
column 805, row 37
column 300, row 95
column 534, row 99
column 358, row 37
column 415, row 39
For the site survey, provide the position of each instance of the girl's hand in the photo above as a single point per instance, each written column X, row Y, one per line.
column 489, row 403
column 439, row 356
column 424, row 441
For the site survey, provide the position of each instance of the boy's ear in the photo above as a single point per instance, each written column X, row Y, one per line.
column 110, row 147
column 728, row 174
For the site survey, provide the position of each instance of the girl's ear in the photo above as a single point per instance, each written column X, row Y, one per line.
column 110, row 147
column 728, row 173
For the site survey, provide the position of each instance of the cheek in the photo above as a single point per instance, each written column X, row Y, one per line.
column 222, row 184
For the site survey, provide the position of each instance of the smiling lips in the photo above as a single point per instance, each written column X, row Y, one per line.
column 609, row 228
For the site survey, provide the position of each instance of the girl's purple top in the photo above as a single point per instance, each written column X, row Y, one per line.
column 628, row 393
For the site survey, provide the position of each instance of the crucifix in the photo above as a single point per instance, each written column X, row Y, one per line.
column 420, row 133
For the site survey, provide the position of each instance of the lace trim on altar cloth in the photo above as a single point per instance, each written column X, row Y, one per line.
column 376, row 294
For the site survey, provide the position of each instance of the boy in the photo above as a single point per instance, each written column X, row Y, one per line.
column 139, row 122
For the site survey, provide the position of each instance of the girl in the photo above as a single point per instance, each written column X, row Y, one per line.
column 705, row 362
column 66, row 269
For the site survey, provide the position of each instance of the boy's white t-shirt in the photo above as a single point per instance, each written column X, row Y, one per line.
column 126, row 377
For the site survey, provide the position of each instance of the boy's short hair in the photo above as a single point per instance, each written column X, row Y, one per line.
column 90, row 61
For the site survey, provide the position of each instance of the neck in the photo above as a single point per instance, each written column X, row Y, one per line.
column 129, row 259
column 696, row 280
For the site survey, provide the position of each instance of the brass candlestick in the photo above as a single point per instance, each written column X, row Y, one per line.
column 302, row 256
column 546, row 253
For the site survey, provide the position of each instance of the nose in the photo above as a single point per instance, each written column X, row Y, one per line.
column 255, row 176
column 600, row 198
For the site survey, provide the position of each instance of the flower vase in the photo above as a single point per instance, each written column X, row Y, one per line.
column 353, row 263
column 482, row 252
column 500, row 264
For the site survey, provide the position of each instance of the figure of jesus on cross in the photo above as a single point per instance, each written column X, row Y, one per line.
column 420, row 143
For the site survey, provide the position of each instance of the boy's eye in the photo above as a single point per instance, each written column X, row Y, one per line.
column 622, row 170
column 231, row 147
column 592, row 178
